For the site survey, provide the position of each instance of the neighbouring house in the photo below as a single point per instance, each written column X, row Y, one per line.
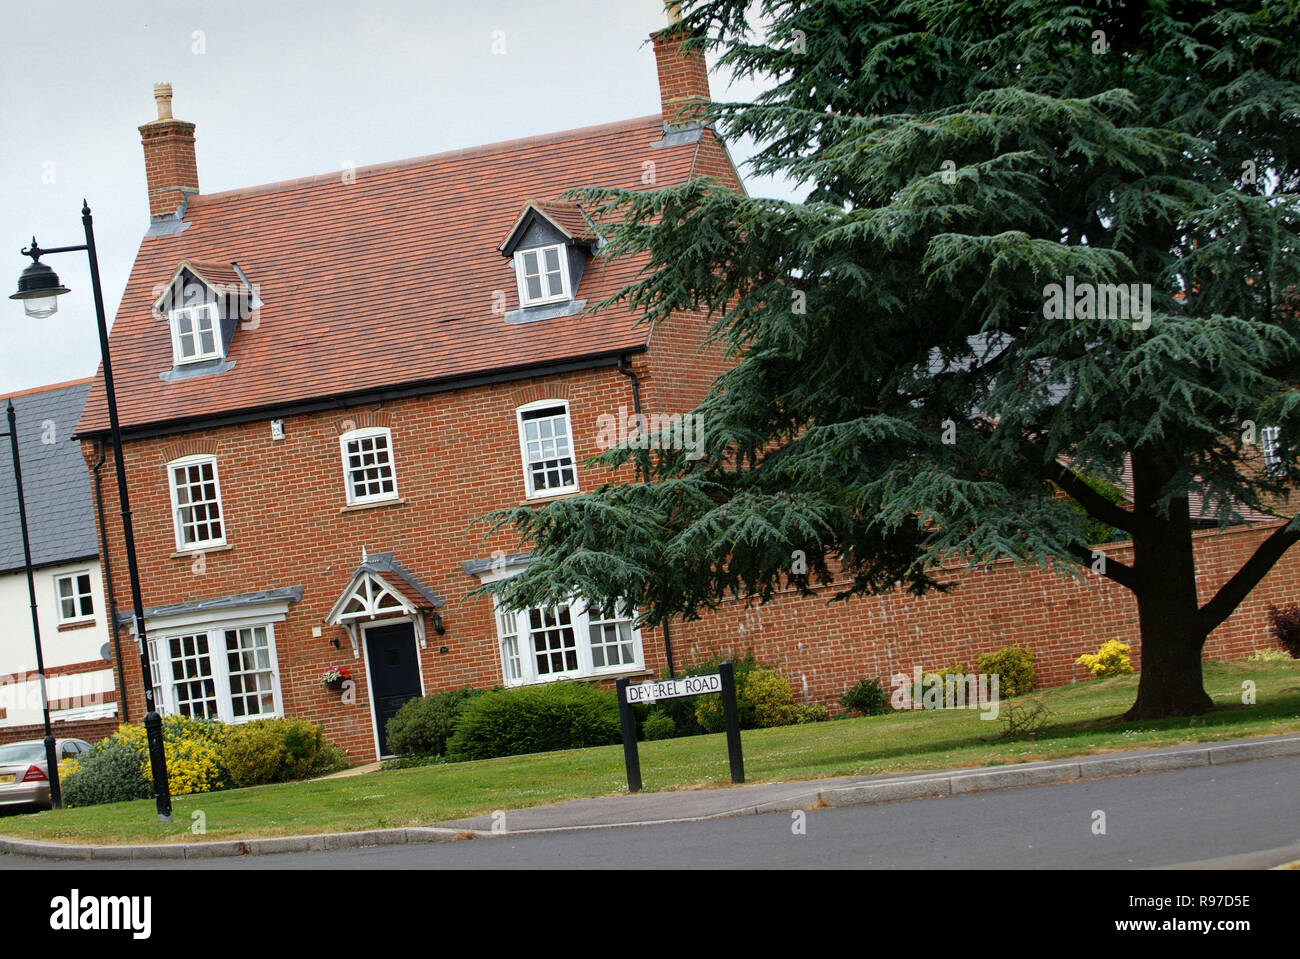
column 70, row 595
column 324, row 382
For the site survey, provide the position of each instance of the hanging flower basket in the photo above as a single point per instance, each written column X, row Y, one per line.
column 336, row 677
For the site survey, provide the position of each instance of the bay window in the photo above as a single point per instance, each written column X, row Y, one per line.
column 227, row 673
column 572, row 640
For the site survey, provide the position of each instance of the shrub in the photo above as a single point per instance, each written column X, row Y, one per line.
column 192, row 748
column 110, row 772
column 683, row 710
column 423, row 725
column 330, row 759
column 707, row 710
column 1014, row 667
column 659, row 726
column 811, row 713
column 271, row 751
column 1269, row 656
column 1285, row 625
column 532, row 719
column 1111, row 660
column 770, row 697
column 866, row 697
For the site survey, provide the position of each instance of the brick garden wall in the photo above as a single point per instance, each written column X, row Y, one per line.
column 823, row 649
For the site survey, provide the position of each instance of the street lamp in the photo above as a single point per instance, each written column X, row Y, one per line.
column 39, row 289
column 51, row 754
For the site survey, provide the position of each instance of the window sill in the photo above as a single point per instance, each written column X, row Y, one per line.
column 547, row 497
column 630, row 673
column 79, row 624
column 356, row 507
column 200, row 550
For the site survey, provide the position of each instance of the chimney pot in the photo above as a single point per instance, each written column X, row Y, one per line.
column 162, row 93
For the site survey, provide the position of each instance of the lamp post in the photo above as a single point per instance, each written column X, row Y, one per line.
column 38, row 289
column 51, row 754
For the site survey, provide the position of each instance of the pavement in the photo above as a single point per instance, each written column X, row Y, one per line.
column 684, row 806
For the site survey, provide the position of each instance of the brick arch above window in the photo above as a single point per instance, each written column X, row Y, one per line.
column 363, row 419
column 194, row 446
column 537, row 391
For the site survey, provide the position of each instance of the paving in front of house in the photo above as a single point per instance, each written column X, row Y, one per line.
column 647, row 808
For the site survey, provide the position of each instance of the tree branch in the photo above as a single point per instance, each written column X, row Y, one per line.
column 1113, row 570
column 1231, row 593
column 1093, row 503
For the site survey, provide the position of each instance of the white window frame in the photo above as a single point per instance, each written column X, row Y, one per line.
column 177, row 527
column 160, row 661
column 565, row 293
column 76, row 597
column 530, row 491
column 196, row 312
column 521, row 668
column 1269, row 441
column 361, row 434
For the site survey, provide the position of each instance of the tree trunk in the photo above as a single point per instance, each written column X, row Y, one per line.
column 1172, row 635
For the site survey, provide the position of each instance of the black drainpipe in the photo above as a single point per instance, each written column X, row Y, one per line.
column 625, row 368
column 108, row 581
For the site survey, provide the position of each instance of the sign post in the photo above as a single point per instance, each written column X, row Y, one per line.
column 722, row 682
column 631, row 758
column 728, row 674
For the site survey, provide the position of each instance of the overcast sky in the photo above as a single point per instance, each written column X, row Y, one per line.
column 278, row 89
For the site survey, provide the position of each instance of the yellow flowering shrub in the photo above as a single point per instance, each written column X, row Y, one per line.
column 192, row 748
column 1111, row 660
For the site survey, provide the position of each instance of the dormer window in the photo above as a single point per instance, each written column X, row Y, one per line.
column 195, row 333
column 543, row 275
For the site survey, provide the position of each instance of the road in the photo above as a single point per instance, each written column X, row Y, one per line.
column 1186, row 816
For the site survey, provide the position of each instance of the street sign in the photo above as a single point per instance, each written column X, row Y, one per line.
column 674, row 688
column 723, row 682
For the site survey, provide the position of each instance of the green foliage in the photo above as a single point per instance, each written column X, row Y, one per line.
column 1096, row 531
column 811, row 713
column 330, row 759
column 770, row 697
column 271, row 751
column 906, row 392
column 1015, row 669
column 707, row 710
column 110, row 772
column 866, row 697
column 683, row 711
column 1112, row 659
column 424, row 724
column 534, row 719
column 658, row 725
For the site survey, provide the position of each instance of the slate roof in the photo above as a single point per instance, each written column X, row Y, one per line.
column 56, row 483
column 383, row 278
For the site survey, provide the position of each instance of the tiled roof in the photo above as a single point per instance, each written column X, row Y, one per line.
column 380, row 277
column 56, row 483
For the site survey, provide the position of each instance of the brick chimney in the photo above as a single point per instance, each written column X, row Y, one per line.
column 169, row 165
column 683, row 77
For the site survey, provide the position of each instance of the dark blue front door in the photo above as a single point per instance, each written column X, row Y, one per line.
column 394, row 672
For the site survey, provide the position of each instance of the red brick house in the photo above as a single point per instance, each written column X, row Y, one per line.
column 323, row 382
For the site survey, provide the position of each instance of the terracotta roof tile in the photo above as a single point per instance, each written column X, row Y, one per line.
column 381, row 279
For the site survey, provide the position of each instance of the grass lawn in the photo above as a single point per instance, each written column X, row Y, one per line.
column 1085, row 718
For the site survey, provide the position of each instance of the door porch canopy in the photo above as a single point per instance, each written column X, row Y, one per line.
column 381, row 588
